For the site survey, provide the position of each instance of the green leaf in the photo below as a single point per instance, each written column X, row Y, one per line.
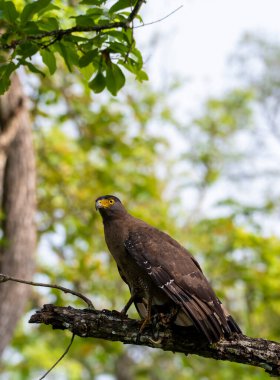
column 33, row 68
column 135, row 54
column 118, row 35
column 32, row 8
column 4, row 84
column 68, row 53
column 27, row 49
column 49, row 7
column 129, row 35
column 131, row 65
column 96, row 12
column 48, row 24
column 87, row 72
column 117, row 47
column 142, row 75
column 64, row 53
column 99, row 40
column 122, row 4
column 49, row 60
column 88, row 57
column 30, row 27
column 9, row 11
column 98, row 83
column 114, row 78
column 84, row 20
column 5, row 73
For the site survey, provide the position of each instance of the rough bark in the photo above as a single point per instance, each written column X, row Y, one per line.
column 112, row 326
column 17, row 190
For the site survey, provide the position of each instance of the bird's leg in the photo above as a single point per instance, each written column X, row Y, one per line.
column 146, row 320
column 128, row 304
column 148, row 317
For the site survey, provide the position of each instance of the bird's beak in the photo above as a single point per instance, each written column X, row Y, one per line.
column 101, row 203
column 98, row 205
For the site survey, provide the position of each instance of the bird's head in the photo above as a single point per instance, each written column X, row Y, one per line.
column 109, row 206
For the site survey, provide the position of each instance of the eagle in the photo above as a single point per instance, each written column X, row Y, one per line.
column 161, row 274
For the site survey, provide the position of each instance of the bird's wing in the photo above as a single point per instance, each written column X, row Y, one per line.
column 175, row 271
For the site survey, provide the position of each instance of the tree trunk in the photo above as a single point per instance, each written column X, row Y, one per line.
column 17, row 191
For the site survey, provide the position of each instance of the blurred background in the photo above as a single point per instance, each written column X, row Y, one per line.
column 195, row 151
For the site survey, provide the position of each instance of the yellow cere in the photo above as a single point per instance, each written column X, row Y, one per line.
column 107, row 202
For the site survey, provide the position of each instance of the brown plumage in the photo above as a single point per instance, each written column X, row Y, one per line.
column 161, row 274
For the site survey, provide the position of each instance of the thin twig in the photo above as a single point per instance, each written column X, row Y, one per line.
column 4, row 278
column 160, row 19
column 61, row 357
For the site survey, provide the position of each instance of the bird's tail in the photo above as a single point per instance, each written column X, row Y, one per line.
column 234, row 328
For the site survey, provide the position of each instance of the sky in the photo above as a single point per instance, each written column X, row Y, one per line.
column 196, row 41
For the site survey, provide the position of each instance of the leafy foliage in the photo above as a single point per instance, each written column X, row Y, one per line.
column 85, row 35
column 87, row 146
column 86, row 149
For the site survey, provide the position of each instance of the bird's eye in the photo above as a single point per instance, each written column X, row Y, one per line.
column 111, row 201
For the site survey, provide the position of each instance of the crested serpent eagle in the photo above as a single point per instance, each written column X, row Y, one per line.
column 162, row 274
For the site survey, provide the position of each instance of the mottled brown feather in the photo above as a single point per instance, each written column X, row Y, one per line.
column 157, row 267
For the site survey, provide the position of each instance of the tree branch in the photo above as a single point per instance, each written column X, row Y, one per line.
column 110, row 325
column 135, row 11
column 58, row 34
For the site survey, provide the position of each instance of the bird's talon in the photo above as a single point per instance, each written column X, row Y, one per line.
column 117, row 313
column 158, row 341
column 123, row 313
column 90, row 308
